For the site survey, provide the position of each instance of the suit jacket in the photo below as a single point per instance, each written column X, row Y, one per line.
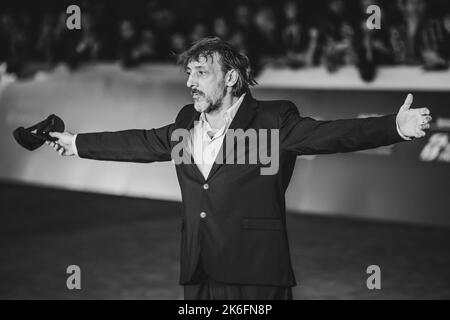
column 234, row 221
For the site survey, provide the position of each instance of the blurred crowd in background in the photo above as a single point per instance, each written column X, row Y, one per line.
column 285, row 33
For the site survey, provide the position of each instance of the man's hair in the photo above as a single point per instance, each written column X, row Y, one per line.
column 229, row 57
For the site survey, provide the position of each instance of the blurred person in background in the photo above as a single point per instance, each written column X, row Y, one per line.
column 199, row 31
column 371, row 46
column 18, row 50
column 299, row 43
column 243, row 17
column 65, row 42
column 243, row 32
column 46, row 39
column 145, row 48
column 412, row 18
column 434, row 44
column 220, row 28
column 88, row 46
column 292, row 31
column 163, row 21
column 7, row 28
column 445, row 48
column 338, row 42
column 267, row 39
column 178, row 43
column 128, row 39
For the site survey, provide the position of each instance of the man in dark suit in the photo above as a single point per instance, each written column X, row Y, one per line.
column 234, row 242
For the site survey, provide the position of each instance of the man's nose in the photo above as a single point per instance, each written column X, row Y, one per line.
column 191, row 81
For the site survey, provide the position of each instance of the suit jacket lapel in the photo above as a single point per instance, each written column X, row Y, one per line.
column 187, row 122
column 241, row 120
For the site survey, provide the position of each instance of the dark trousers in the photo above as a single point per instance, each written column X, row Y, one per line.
column 205, row 288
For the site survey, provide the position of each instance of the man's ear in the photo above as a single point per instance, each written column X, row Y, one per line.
column 231, row 78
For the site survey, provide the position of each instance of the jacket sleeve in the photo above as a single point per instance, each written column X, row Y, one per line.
column 129, row 145
column 306, row 136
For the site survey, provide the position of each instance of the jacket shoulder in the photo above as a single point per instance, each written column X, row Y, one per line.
column 276, row 107
column 187, row 111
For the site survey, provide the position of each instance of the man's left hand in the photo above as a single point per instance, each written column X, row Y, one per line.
column 412, row 123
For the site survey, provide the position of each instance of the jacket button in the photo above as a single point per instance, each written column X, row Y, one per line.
column 202, row 215
column 206, row 186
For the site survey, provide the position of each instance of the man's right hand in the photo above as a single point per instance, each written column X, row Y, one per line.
column 64, row 143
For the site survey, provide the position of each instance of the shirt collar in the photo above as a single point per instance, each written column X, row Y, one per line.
column 229, row 114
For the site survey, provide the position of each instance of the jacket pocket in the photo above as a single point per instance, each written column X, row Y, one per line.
column 262, row 223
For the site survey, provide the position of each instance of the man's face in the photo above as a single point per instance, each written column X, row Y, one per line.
column 207, row 83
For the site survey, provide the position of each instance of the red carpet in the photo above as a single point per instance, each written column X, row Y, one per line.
column 127, row 248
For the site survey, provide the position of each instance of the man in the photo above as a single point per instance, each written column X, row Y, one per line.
column 234, row 242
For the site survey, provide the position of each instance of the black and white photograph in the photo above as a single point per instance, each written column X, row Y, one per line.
column 242, row 150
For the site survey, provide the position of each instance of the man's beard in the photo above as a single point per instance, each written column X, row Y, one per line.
column 211, row 106
column 199, row 106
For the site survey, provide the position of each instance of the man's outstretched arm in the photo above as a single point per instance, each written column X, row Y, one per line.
column 308, row 136
column 129, row 145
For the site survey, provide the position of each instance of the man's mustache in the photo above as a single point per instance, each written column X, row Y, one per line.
column 195, row 91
